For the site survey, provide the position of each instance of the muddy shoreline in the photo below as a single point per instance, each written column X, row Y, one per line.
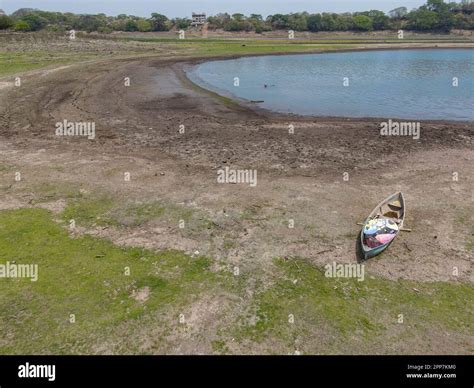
column 183, row 67
column 301, row 175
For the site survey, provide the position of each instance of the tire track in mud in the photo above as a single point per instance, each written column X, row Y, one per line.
column 45, row 97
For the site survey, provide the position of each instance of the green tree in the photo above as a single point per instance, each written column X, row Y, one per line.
column 219, row 21
column 298, row 21
column 35, row 21
column 463, row 22
column 327, row 22
column 398, row 13
column 19, row 13
column 435, row 15
column 104, row 30
column 422, row 20
column 118, row 24
column 379, row 19
column 143, row 25
column 437, row 5
column 22, row 25
column 467, row 7
column 363, row 23
column 5, row 22
column 233, row 25
column 181, row 23
column 444, row 15
column 238, row 17
column 239, row 25
column 89, row 23
column 159, row 22
column 343, row 22
column 279, row 21
column 257, row 23
column 255, row 16
column 131, row 25
column 315, row 22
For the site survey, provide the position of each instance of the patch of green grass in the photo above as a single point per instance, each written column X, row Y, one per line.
column 85, row 277
column 344, row 307
column 197, row 46
column 239, row 46
column 88, row 277
column 104, row 210
column 219, row 347
column 258, row 47
column 90, row 211
column 18, row 62
column 47, row 192
column 11, row 63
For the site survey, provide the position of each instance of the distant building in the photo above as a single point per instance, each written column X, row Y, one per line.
column 1, row 12
column 198, row 19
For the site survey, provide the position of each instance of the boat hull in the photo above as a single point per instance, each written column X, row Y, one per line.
column 371, row 252
column 374, row 252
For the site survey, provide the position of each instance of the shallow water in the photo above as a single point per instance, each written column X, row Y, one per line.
column 409, row 84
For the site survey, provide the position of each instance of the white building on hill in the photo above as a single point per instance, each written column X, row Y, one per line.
column 198, row 19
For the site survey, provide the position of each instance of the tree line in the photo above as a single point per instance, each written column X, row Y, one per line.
column 434, row 16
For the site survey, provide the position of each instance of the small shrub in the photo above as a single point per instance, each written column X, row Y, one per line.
column 22, row 26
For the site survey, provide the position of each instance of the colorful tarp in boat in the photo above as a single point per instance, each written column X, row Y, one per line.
column 379, row 231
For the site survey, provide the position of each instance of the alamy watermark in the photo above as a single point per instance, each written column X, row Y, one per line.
column 229, row 175
column 14, row 271
column 70, row 128
column 335, row 270
column 31, row 371
column 395, row 128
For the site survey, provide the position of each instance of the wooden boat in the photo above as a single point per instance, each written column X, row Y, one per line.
column 382, row 225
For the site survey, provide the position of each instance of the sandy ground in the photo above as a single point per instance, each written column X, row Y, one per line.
column 300, row 175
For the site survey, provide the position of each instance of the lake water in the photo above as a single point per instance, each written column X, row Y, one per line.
column 408, row 84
